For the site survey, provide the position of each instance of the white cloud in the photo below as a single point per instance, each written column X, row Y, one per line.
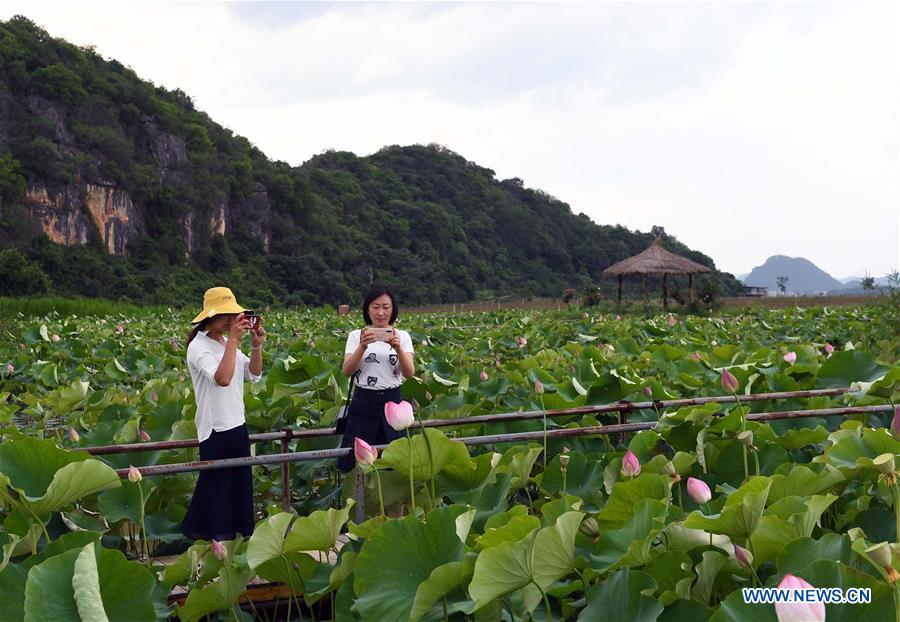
column 743, row 128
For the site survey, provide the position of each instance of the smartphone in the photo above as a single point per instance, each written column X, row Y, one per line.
column 381, row 334
column 254, row 319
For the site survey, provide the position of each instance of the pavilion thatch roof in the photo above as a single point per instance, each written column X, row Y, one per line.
column 655, row 260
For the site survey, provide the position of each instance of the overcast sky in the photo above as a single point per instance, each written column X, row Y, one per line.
column 744, row 129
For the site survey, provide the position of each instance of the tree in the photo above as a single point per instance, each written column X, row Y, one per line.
column 867, row 282
column 782, row 284
column 20, row 277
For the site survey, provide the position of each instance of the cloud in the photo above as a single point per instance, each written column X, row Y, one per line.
column 745, row 129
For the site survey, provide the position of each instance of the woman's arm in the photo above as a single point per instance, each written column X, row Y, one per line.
column 407, row 364
column 225, row 371
column 256, row 343
column 353, row 359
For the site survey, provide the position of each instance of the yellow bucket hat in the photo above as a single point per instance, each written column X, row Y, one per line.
column 218, row 300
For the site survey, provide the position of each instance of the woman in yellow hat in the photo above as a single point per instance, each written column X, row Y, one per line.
column 222, row 505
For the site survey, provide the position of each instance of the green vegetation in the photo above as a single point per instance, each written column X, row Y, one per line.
column 507, row 533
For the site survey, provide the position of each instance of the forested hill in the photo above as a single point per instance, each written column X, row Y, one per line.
column 112, row 187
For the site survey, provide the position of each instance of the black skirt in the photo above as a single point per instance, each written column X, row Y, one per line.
column 366, row 420
column 222, row 505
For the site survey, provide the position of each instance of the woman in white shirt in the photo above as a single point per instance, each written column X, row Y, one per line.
column 222, row 505
column 378, row 368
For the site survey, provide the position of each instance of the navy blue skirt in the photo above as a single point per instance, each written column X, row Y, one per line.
column 222, row 505
column 366, row 420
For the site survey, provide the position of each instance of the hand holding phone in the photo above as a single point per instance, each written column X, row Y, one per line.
column 381, row 334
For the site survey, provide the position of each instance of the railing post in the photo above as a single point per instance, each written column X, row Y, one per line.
column 286, row 470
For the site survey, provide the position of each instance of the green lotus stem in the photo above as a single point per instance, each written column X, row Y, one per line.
column 756, row 461
column 565, row 488
column 546, row 600
column 897, row 600
column 378, row 485
column 680, row 503
column 708, row 513
column 746, row 470
column 430, row 459
column 143, row 529
column 545, row 431
column 895, row 491
column 412, row 490
column 444, row 599
column 587, row 596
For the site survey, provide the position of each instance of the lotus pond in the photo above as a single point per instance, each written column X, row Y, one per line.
column 594, row 528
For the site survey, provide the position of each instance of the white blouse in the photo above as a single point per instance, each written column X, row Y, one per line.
column 380, row 366
column 218, row 408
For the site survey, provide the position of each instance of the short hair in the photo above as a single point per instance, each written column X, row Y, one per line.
column 377, row 292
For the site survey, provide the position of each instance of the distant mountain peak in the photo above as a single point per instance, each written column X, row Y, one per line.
column 803, row 276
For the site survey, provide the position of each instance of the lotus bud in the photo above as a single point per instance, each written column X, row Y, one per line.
column 399, row 416
column 365, row 453
column 119, row 329
column 648, row 391
column 610, row 347
column 483, row 375
column 714, row 343
column 669, row 469
column 584, row 315
column 829, row 349
column 424, row 342
column 746, row 437
column 695, row 357
column 522, row 342
column 630, row 465
column 571, row 370
column 54, row 338
column 744, row 557
column 10, row 369
column 144, row 436
column 618, row 317
column 428, row 395
column 790, row 357
column 698, row 491
column 729, row 382
column 73, row 435
column 589, row 526
column 415, row 404
column 538, row 387
column 885, row 463
column 798, row 612
column 671, row 321
column 134, row 475
column 218, row 549
column 895, row 422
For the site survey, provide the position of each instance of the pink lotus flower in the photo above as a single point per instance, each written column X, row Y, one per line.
column 538, row 387
column 54, row 338
column 133, row 474
column 522, row 342
column 365, row 453
column 119, row 329
column 73, row 435
column 671, row 321
column 483, row 375
column 631, row 467
column 218, row 549
column 399, row 416
column 729, row 382
column 744, row 557
column 798, row 612
column 618, row 317
column 698, row 490
column 648, row 391
column 695, row 357
column 829, row 349
column 895, row 423
column 10, row 369
column 144, row 436
column 790, row 357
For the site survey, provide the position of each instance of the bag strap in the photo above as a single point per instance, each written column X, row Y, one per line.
column 350, row 391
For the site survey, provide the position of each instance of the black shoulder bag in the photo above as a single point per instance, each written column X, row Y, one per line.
column 340, row 422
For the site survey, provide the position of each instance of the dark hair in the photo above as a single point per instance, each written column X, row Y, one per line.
column 201, row 325
column 377, row 292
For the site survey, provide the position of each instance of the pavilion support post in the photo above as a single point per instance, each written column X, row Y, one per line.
column 620, row 290
column 690, row 288
column 665, row 292
column 646, row 291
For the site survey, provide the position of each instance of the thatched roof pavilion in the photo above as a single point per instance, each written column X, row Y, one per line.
column 657, row 260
